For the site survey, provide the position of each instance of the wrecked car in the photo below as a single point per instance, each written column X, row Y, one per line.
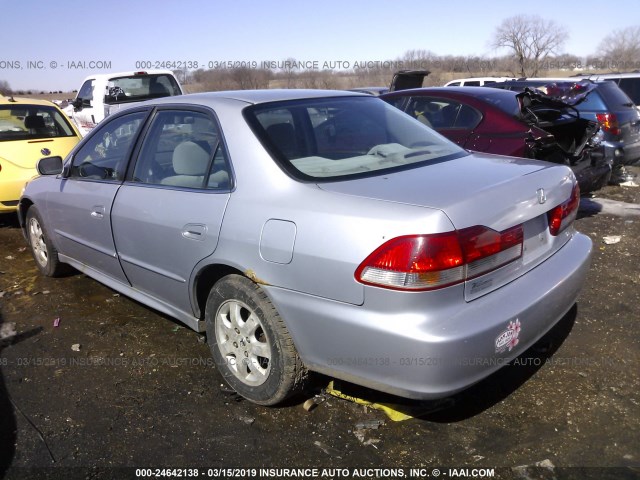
column 606, row 104
column 314, row 230
column 523, row 124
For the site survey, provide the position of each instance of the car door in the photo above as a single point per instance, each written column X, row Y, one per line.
column 448, row 117
column 82, row 205
column 167, row 215
column 83, row 108
column 457, row 122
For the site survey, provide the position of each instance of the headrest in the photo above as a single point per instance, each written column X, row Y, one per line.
column 33, row 121
column 189, row 158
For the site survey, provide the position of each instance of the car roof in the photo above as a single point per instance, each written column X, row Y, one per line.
column 608, row 75
column 547, row 80
column 473, row 79
column 471, row 91
column 255, row 96
column 10, row 100
column 370, row 90
column 96, row 76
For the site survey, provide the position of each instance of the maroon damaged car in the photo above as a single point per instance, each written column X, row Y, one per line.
column 522, row 124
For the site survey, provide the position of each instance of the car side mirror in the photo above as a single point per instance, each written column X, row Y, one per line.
column 49, row 166
column 80, row 103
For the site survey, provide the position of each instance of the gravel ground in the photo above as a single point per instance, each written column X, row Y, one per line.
column 116, row 385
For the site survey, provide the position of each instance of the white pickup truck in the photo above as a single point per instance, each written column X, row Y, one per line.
column 103, row 94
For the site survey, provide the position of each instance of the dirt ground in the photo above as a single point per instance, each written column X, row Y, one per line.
column 117, row 384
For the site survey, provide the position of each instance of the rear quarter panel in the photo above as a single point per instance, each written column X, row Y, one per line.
column 334, row 232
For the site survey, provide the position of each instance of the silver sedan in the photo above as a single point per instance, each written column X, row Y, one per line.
column 316, row 231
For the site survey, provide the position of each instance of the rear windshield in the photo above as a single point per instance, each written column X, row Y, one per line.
column 592, row 102
column 29, row 122
column 613, row 95
column 345, row 137
column 631, row 86
column 505, row 100
column 136, row 88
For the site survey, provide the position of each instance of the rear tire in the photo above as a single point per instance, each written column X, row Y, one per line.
column 250, row 343
column 43, row 251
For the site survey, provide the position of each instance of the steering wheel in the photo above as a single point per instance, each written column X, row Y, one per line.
column 89, row 170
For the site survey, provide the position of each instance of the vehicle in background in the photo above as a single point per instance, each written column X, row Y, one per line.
column 402, row 80
column 475, row 81
column 629, row 82
column 103, row 94
column 311, row 229
column 29, row 130
column 611, row 107
column 528, row 125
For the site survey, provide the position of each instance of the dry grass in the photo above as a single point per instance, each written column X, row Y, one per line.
column 341, row 81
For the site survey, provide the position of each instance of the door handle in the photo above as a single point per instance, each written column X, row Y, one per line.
column 194, row 231
column 97, row 211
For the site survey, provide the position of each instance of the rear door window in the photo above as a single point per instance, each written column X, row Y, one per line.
column 631, row 87
column 442, row 113
column 183, row 149
column 613, row 96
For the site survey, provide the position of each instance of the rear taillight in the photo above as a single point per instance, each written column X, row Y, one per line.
column 564, row 214
column 485, row 249
column 609, row 122
column 428, row 262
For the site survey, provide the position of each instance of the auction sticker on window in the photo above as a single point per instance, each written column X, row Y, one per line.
column 508, row 339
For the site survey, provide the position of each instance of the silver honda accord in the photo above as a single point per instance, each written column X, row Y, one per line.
column 316, row 231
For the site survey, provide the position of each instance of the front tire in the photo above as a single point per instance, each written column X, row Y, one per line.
column 43, row 251
column 250, row 343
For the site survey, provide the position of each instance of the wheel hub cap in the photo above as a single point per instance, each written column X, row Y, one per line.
column 243, row 342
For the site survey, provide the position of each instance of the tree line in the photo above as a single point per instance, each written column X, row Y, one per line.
column 530, row 46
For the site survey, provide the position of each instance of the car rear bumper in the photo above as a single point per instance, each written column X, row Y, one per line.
column 11, row 190
column 623, row 153
column 403, row 344
column 592, row 177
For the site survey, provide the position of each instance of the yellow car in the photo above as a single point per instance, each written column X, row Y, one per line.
column 29, row 130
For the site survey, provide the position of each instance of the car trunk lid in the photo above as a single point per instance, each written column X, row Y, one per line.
column 492, row 191
column 407, row 79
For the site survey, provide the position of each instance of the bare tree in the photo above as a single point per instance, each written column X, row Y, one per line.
column 289, row 71
column 216, row 79
column 5, row 89
column 183, row 76
column 532, row 40
column 621, row 48
column 246, row 78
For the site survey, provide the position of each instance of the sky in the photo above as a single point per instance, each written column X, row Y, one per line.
column 47, row 45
